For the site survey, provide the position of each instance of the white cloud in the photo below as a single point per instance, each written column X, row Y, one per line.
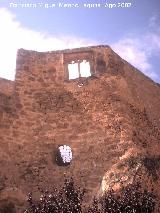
column 14, row 36
column 154, row 23
column 139, row 50
column 153, row 40
column 131, row 50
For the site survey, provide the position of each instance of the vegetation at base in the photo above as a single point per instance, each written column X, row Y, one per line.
column 69, row 199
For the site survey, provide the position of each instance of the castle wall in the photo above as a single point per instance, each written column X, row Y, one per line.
column 94, row 116
column 7, row 114
column 6, row 86
column 54, row 110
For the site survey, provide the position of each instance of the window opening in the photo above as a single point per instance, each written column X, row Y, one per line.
column 78, row 69
column 73, row 70
column 64, row 155
column 85, row 69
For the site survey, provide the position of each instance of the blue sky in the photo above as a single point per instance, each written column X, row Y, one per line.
column 130, row 27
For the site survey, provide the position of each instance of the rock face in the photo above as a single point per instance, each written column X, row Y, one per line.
column 111, row 122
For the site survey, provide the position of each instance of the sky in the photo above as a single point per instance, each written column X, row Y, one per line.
column 130, row 27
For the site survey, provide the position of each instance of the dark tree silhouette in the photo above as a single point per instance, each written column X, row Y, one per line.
column 69, row 198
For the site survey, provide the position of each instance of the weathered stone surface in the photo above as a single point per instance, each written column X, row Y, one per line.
column 6, row 86
column 113, row 119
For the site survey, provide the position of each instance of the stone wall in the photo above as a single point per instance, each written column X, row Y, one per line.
column 54, row 111
column 48, row 109
column 6, row 86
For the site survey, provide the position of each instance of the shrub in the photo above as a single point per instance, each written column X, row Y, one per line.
column 68, row 199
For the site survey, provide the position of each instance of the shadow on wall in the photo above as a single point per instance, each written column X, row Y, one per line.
column 101, row 64
column 7, row 206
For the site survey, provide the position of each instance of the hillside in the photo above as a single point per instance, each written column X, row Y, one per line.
column 111, row 123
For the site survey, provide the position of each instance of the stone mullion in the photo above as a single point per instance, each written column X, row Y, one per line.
column 79, row 69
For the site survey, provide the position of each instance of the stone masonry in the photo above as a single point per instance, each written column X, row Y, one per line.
column 113, row 115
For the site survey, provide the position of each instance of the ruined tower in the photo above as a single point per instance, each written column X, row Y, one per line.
column 107, row 117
